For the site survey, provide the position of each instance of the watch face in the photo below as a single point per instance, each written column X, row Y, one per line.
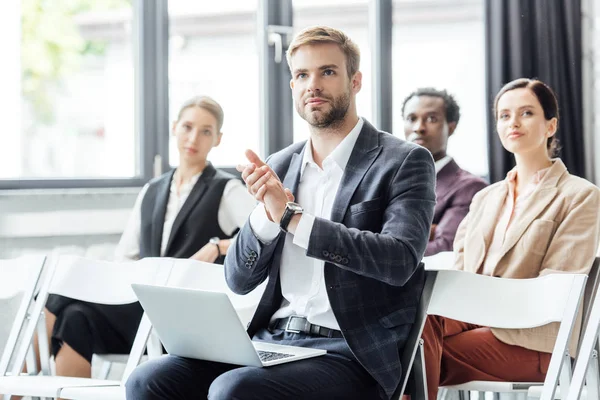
column 214, row 240
column 295, row 207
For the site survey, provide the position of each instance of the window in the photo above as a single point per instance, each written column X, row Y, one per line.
column 213, row 52
column 441, row 44
column 352, row 17
column 71, row 90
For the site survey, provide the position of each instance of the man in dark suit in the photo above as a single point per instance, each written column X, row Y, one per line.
column 430, row 118
column 340, row 231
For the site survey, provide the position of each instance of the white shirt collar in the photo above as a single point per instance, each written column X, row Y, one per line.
column 340, row 155
column 441, row 163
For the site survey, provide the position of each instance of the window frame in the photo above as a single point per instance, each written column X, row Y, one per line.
column 151, row 51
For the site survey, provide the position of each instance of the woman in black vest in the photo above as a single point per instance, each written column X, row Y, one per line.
column 190, row 212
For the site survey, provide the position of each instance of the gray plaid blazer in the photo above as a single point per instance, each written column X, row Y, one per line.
column 372, row 247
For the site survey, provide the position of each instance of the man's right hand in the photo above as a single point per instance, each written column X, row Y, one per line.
column 264, row 185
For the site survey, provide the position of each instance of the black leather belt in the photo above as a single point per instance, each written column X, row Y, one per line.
column 296, row 324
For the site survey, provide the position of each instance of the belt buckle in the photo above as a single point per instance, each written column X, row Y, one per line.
column 287, row 325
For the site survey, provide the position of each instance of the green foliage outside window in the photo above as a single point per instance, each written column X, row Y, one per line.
column 52, row 48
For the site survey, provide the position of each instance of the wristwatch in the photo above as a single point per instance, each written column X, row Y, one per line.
column 215, row 240
column 291, row 209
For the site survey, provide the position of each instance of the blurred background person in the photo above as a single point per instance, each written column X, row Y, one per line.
column 190, row 212
column 430, row 118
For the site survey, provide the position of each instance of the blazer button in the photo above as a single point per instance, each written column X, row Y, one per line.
column 338, row 258
column 331, row 256
column 325, row 253
column 344, row 261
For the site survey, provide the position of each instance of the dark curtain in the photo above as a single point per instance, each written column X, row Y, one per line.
column 536, row 39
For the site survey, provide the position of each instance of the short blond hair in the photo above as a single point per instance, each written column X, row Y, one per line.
column 325, row 34
column 206, row 103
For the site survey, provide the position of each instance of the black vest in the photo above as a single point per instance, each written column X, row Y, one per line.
column 196, row 222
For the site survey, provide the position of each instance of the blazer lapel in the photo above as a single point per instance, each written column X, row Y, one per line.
column 362, row 157
column 158, row 215
column 446, row 178
column 194, row 197
column 533, row 207
column 483, row 230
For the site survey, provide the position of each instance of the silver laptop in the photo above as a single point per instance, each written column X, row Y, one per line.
column 205, row 326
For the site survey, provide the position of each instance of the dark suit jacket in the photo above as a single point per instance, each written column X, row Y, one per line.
column 454, row 190
column 372, row 248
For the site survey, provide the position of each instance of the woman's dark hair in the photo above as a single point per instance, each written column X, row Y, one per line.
column 547, row 100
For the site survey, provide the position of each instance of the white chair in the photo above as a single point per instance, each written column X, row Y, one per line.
column 587, row 368
column 86, row 280
column 440, row 261
column 19, row 278
column 484, row 300
column 188, row 274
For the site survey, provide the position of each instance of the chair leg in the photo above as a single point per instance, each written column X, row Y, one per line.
column 566, row 374
column 44, row 349
column 105, row 370
column 593, row 377
column 30, row 361
column 420, row 379
column 442, row 394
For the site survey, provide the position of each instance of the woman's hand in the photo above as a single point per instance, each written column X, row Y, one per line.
column 208, row 253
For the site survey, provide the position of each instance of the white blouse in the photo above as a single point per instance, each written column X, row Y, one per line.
column 235, row 207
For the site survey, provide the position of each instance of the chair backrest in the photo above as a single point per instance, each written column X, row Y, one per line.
column 18, row 280
column 407, row 359
column 501, row 302
column 88, row 280
column 440, row 261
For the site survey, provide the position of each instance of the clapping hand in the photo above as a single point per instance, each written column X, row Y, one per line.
column 264, row 185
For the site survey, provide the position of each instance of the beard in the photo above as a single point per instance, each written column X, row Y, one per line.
column 319, row 119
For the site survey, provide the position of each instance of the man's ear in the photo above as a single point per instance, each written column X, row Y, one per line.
column 292, row 84
column 451, row 127
column 357, row 82
column 173, row 126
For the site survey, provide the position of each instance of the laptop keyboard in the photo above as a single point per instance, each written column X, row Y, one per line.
column 272, row 356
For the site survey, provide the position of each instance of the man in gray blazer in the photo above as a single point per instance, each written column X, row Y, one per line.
column 430, row 118
column 340, row 231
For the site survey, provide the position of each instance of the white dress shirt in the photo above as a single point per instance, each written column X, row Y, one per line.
column 441, row 163
column 302, row 278
column 235, row 206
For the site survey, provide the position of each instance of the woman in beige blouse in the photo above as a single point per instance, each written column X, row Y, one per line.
column 539, row 220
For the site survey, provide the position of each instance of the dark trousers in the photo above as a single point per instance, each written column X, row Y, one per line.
column 336, row 375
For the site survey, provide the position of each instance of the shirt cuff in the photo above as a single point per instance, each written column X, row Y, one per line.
column 303, row 230
column 264, row 229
